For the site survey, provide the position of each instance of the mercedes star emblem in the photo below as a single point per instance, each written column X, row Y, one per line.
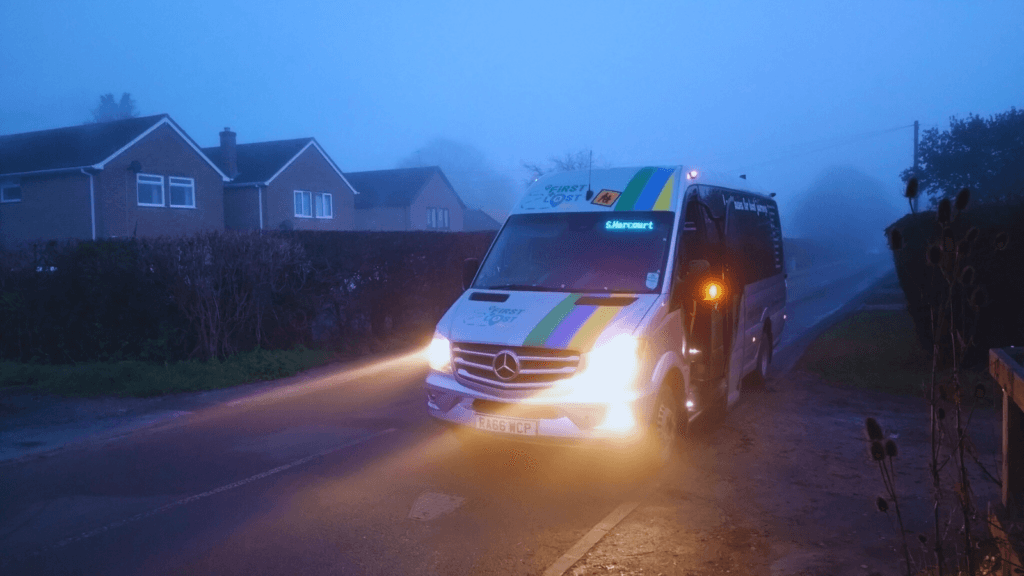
column 506, row 365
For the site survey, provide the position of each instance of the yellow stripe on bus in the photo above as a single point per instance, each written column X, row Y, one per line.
column 585, row 337
column 664, row 201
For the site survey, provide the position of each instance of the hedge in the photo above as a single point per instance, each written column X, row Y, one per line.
column 214, row 294
column 1001, row 322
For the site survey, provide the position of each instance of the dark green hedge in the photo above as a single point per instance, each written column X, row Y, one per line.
column 215, row 294
column 1000, row 272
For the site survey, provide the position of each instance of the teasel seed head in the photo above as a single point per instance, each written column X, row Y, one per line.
column 945, row 208
column 874, row 429
column 934, row 255
column 1002, row 241
column 967, row 276
column 962, row 199
column 979, row 298
column 911, row 191
column 877, row 450
column 895, row 239
column 881, row 504
column 890, row 448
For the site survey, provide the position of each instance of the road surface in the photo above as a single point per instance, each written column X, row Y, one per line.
column 342, row 475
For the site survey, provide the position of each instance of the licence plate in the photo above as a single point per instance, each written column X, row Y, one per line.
column 506, row 425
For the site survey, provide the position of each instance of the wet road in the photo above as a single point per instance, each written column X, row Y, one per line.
column 351, row 478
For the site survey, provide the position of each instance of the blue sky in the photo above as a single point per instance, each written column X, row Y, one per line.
column 777, row 90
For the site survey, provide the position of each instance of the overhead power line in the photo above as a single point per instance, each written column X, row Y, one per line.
column 814, row 146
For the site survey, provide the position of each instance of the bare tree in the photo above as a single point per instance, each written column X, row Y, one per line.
column 110, row 109
column 568, row 162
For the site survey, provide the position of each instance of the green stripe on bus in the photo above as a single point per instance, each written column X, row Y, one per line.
column 540, row 333
column 633, row 189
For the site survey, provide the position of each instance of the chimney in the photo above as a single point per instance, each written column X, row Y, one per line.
column 228, row 153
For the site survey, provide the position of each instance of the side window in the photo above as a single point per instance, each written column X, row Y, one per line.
column 753, row 238
column 691, row 239
column 700, row 238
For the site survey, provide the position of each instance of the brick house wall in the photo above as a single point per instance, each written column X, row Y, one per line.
column 382, row 219
column 52, row 207
column 436, row 194
column 310, row 172
column 162, row 153
column 241, row 208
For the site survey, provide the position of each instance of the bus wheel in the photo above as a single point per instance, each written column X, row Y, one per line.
column 764, row 359
column 665, row 428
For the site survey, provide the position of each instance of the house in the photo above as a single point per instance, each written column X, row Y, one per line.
column 406, row 199
column 283, row 185
column 139, row 176
column 477, row 220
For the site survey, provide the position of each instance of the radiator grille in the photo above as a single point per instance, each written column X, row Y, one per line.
column 535, row 368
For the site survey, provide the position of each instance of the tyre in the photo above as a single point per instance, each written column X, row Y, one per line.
column 663, row 435
column 764, row 359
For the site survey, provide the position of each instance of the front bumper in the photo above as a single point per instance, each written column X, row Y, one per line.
column 556, row 422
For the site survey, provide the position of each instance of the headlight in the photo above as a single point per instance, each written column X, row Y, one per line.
column 439, row 354
column 611, row 370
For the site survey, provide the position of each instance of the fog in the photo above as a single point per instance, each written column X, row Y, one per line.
column 778, row 91
column 843, row 206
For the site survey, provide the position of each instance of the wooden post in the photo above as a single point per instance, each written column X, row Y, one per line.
column 1013, row 453
column 1009, row 373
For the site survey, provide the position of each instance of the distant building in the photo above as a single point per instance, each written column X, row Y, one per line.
column 283, row 184
column 406, row 199
column 139, row 176
column 478, row 220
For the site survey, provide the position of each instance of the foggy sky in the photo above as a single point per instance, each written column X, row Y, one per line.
column 777, row 90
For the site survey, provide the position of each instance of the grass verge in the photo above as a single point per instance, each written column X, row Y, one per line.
column 878, row 350
column 142, row 379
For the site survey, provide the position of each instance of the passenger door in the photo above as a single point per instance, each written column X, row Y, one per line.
column 704, row 326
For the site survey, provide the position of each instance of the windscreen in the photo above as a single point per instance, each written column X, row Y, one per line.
column 579, row 252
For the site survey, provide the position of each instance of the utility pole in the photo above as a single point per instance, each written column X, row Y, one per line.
column 916, row 126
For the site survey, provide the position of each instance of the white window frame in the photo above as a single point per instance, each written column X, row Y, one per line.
column 298, row 194
column 181, row 181
column 138, row 180
column 3, row 192
column 437, row 219
column 320, row 212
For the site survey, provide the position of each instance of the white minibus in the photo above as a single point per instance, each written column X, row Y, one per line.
column 613, row 305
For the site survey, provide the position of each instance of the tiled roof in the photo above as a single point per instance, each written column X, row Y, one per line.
column 70, row 147
column 473, row 220
column 260, row 161
column 392, row 188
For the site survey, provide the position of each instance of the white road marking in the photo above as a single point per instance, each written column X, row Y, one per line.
column 580, row 548
column 208, row 493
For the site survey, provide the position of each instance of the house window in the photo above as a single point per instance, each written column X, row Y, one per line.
column 303, row 204
column 324, row 206
column 437, row 218
column 10, row 192
column 183, row 192
column 150, row 190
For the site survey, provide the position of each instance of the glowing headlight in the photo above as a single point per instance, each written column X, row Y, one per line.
column 610, row 371
column 439, row 354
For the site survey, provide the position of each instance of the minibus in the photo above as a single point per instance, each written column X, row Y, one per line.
column 613, row 305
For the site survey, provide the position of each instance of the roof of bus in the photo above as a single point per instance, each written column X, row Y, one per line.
column 620, row 189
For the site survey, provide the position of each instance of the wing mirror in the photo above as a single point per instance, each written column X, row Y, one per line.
column 469, row 270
